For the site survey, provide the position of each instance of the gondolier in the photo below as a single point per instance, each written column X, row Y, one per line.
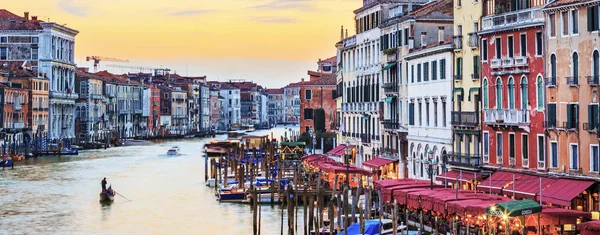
column 104, row 184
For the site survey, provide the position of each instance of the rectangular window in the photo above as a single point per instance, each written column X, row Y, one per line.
column 34, row 53
column 572, row 116
column 411, row 114
column 552, row 24
column 459, row 68
column 412, row 73
column 554, row 152
column 539, row 43
column 511, row 46
column 594, row 158
column 486, row 143
column 476, row 67
column 444, row 113
column 443, row 69
column 435, row 113
column 308, row 94
column 525, row 146
column 523, row 43
column 574, row 154
column 406, row 36
column 418, row 72
column 593, row 18
column 484, row 49
column 592, row 116
column 511, row 145
column 426, row 71
column 574, row 22
column 565, row 23
column 499, row 145
column 498, row 48
column 3, row 53
column 35, row 40
column 551, row 113
column 427, row 113
column 433, row 70
column 308, row 114
column 458, row 3
column 3, row 39
column 420, row 114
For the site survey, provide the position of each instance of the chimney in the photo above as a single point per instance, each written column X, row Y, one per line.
column 346, row 33
column 26, row 15
column 302, row 80
column 342, row 33
column 33, row 17
column 423, row 36
column 440, row 35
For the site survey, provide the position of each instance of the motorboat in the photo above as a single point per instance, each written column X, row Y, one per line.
column 374, row 227
column 173, row 151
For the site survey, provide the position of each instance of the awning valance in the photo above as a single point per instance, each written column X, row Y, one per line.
column 389, row 66
column 389, row 99
column 464, row 176
column 377, row 162
column 337, row 151
column 473, row 89
column 515, row 208
column 562, row 191
column 589, row 228
column 497, row 181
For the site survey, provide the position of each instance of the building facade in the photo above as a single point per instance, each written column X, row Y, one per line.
column 275, row 104
column 292, row 103
column 90, row 116
column 317, row 98
column 231, row 105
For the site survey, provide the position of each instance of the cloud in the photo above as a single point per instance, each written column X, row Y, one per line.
column 190, row 12
column 73, row 8
column 273, row 20
column 285, row 4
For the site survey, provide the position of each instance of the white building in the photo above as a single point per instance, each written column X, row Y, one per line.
column 50, row 49
column 429, row 103
column 232, row 104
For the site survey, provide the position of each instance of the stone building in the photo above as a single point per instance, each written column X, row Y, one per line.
column 275, row 106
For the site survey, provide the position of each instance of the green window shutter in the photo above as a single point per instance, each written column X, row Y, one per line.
column 380, row 43
column 551, row 115
column 590, row 19
column 569, row 115
column 576, row 121
column 476, row 65
column 443, row 69
column 594, row 123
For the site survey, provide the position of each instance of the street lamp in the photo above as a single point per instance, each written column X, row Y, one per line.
column 347, row 161
column 432, row 165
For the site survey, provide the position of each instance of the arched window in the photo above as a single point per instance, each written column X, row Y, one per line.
column 596, row 66
column 540, row 93
column 575, row 66
column 421, row 165
column 553, row 66
column 485, row 94
column 524, row 97
column 414, row 164
column 498, row 93
column 511, row 93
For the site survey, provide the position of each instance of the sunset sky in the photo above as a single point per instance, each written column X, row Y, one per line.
column 272, row 42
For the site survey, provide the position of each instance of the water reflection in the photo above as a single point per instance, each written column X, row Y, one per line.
column 60, row 194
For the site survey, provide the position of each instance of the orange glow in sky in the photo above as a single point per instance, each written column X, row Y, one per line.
column 187, row 34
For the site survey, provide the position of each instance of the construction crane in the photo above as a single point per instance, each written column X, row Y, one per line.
column 162, row 71
column 97, row 60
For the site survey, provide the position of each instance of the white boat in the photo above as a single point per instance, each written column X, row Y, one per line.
column 173, row 151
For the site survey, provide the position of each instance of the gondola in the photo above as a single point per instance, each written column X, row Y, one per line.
column 107, row 196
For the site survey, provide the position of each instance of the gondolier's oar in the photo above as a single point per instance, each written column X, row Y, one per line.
column 122, row 196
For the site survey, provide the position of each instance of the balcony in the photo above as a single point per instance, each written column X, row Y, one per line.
column 571, row 126
column 390, row 87
column 457, row 42
column 390, row 58
column 506, row 117
column 551, row 81
column 365, row 138
column 589, row 128
column 508, row 62
column 593, row 80
column 16, row 125
column 457, row 77
column 18, row 107
column 473, row 40
column 458, row 159
column 573, row 80
column 474, row 76
column 179, row 100
column 390, row 124
column 495, row 63
column 550, row 125
column 512, row 19
column 466, row 119
column 123, row 111
column 521, row 61
column 137, row 111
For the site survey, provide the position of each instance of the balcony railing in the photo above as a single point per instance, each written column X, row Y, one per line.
column 468, row 119
column 473, row 40
column 508, row 62
column 17, row 125
column 550, row 125
column 97, row 97
column 589, row 128
column 18, row 107
column 123, row 111
column 506, row 117
column 551, row 81
column 571, row 126
column 521, row 61
column 573, row 80
column 390, row 124
column 458, row 77
column 593, row 80
column 474, row 76
column 390, row 87
column 495, row 63
column 514, row 18
column 457, row 39
column 365, row 138
column 391, row 57
column 458, row 159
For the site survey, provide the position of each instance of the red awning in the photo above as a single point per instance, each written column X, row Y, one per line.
column 528, row 186
column 554, row 216
column 460, row 207
column 401, row 195
column 589, row 228
column 337, row 151
column 377, row 162
column 387, row 193
column 497, row 181
column 464, row 176
column 562, row 191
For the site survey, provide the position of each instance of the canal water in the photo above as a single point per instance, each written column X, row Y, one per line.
column 59, row 195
